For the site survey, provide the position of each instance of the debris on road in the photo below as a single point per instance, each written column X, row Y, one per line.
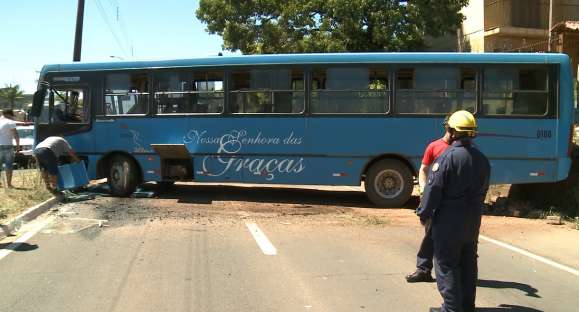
column 556, row 220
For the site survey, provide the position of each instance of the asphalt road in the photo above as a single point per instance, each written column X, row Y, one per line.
column 192, row 250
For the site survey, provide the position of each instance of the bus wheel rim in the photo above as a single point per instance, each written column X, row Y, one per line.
column 117, row 174
column 389, row 184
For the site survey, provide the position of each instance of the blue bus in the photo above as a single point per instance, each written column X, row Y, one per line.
column 320, row 119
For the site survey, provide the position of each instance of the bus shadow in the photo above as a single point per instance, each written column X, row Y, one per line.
column 206, row 194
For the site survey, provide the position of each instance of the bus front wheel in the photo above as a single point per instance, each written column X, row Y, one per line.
column 389, row 183
column 122, row 176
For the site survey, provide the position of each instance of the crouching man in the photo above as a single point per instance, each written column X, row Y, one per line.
column 48, row 153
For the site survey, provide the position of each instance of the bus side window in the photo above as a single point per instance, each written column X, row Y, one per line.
column 434, row 89
column 515, row 90
column 350, row 90
column 208, row 95
column 267, row 91
column 126, row 93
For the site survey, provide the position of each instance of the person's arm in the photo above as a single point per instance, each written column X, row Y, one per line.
column 70, row 151
column 427, row 159
column 73, row 155
column 422, row 175
column 16, row 138
column 433, row 190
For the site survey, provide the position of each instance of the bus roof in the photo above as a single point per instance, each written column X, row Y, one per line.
column 321, row 58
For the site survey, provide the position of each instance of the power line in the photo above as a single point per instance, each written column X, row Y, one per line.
column 120, row 22
column 105, row 17
column 124, row 29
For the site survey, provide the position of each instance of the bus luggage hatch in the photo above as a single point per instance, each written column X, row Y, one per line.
column 176, row 163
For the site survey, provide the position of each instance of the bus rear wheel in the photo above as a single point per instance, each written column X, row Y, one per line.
column 122, row 176
column 389, row 183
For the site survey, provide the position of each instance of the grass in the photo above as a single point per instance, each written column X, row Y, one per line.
column 28, row 191
column 372, row 220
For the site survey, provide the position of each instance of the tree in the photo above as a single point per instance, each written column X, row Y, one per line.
column 296, row 26
column 11, row 94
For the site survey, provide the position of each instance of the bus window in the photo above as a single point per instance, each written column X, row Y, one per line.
column 515, row 91
column 69, row 106
column 354, row 90
column 126, row 94
column 186, row 92
column 435, row 90
column 267, row 91
column 207, row 92
column 171, row 92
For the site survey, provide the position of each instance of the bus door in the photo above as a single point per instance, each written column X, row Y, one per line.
column 66, row 112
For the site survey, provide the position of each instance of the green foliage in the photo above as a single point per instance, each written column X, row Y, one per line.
column 11, row 94
column 296, row 26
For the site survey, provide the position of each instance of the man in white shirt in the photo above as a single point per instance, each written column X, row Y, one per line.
column 7, row 133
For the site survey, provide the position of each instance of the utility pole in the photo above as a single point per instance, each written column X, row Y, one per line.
column 550, row 24
column 78, row 33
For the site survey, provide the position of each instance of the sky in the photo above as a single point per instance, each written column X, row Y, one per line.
column 34, row 33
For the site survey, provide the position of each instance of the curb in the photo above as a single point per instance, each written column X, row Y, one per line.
column 29, row 214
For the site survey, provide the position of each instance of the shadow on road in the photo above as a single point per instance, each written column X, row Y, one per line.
column 529, row 290
column 18, row 246
column 501, row 308
column 206, row 194
column 508, row 307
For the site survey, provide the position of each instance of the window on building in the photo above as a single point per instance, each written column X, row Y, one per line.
column 515, row 91
column 126, row 93
column 526, row 13
column 189, row 92
column 350, row 90
column 435, row 90
column 269, row 91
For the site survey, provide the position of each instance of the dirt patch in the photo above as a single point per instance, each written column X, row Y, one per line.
column 559, row 198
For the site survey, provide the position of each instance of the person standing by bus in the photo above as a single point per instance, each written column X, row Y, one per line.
column 453, row 200
column 47, row 154
column 7, row 134
column 425, row 253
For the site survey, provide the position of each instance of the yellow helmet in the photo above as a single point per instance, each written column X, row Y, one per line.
column 463, row 121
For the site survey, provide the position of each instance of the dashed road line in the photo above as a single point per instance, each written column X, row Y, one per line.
column 532, row 255
column 264, row 244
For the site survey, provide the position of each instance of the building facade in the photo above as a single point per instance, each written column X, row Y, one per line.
column 512, row 25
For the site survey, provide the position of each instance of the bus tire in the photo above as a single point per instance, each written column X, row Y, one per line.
column 122, row 177
column 389, row 183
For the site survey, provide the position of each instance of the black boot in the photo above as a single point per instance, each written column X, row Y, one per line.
column 419, row 276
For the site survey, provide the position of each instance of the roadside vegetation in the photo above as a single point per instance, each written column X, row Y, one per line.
column 28, row 191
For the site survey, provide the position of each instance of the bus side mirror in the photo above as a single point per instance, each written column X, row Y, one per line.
column 37, row 102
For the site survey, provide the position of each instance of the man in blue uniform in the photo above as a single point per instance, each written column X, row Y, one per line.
column 452, row 202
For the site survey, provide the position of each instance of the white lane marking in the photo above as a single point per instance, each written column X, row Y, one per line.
column 531, row 255
column 26, row 236
column 262, row 241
